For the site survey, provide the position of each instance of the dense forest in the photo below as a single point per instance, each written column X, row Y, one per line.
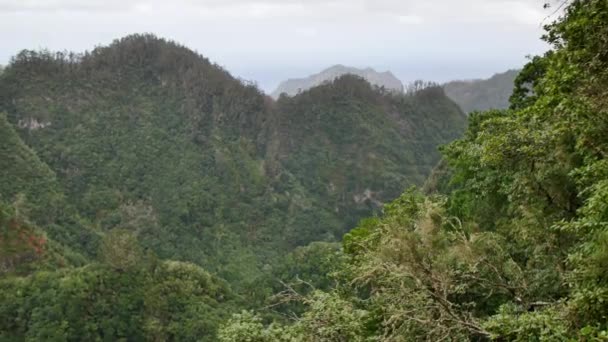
column 147, row 194
column 509, row 239
column 147, row 190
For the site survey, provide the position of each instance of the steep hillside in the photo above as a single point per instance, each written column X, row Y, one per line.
column 516, row 249
column 491, row 93
column 23, row 174
column 32, row 188
column 294, row 86
column 148, row 136
column 356, row 148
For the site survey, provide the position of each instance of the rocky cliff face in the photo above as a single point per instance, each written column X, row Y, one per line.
column 294, row 86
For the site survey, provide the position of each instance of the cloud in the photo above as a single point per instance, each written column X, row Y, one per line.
column 64, row 5
column 469, row 10
column 410, row 19
column 273, row 39
column 306, row 31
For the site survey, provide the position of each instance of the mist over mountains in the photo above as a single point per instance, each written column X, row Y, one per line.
column 470, row 95
column 294, row 86
column 483, row 94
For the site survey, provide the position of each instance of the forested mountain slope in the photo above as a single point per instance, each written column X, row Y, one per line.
column 515, row 249
column 149, row 136
column 144, row 151
column 355, row 148
column 147, row 131
column 141, row 134
column 491, row 93
column 33, row 191
column 29, row 176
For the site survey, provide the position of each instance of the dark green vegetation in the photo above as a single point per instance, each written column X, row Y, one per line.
column 148, row 195
column 129, row 172
column 479, row 95
column 513, row 246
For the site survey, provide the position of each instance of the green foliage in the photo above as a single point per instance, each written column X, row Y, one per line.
column 516, row 247
column 248, row 327
column 527, row 81
column 120, row 250
column 344, row 148
column 414, row 273
column 311, row 263
column 148, row 136
column 169, row 301
column 145, row 148
column 513, row 325
column 304, row 270
column 329, row 318
column 196, row 166
column 25, row 248
column 33, row 189
column 22, row 173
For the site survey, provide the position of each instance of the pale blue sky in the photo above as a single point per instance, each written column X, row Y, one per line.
column 270, row 40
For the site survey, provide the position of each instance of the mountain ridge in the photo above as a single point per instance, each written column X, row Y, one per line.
column 148, row 125
column 483, row 94
column 154, row 148
column 293, row 86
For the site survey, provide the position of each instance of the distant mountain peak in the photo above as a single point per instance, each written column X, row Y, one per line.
column 293, row 86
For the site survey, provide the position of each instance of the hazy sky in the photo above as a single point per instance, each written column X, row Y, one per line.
column 271, row 40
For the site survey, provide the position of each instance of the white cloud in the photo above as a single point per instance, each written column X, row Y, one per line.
column 410, row 19
column 273, row 39
column 306, row 31
column 62, row 5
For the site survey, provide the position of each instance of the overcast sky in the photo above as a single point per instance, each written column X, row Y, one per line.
column 270, row 40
